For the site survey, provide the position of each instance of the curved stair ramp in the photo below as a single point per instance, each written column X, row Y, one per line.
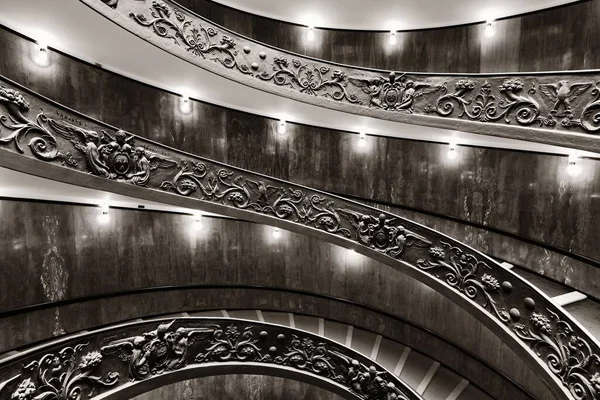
column 426, row 376
column 60, row 144
column 136, row 357
column 559, row 108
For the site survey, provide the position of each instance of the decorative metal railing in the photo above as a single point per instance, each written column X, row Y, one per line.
column 60, row 144
column 561, row 108
column 102, row 363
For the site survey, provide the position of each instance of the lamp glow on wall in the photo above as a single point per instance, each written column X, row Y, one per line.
column 197, row 225
column 362, row 136
column 452, row 154
column 41, row 57
column 103, row 217
column 186, row 105
column 282, row 127
column 573, row 167
column 392, row 39
column 490, row 30
column 276, row 233
column 310, row 34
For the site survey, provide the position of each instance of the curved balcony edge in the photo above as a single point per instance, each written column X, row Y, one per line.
column 553, row 108
column 63, row 145
column 136, row 357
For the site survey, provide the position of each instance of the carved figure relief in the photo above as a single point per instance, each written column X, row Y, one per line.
column 394, row 93
column 163, row 349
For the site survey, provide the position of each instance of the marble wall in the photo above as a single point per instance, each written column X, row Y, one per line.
column 138, row 250
column 238, row 387
column 524, row 194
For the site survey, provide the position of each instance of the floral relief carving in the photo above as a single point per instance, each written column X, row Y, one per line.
column 509, row 104
column 313, row 80
column 171, row 23
column 66, row 375
column 133, row 160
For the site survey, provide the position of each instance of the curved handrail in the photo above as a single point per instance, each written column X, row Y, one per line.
column 72, row 151
column 559, row 108
column 103, row 363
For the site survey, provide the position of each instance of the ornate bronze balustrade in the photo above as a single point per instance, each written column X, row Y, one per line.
column 60, row 144
column 555, row 108
column 101, row 364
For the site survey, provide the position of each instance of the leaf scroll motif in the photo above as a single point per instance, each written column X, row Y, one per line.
column 65, row 375
column 509, row 103
column 313, row 80
column 197, row 40
column 567, row 355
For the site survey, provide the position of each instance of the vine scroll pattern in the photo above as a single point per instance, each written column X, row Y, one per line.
column 139, row 352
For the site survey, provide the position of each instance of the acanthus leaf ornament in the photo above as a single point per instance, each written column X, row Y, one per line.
column 42, row 143
column 65, row 375
column 233, row 344
column 313, row 80
column 197, row 39
column 488, row 107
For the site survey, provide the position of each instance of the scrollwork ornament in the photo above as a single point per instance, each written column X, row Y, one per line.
column 462, row 271
column 195, row 38
column 66, row 375
column 42, row 143
column 313, row 80
column 486, row 106
column 566, row 354
column 233, row 344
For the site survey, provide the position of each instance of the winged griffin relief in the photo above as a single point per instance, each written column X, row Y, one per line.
column 393, row 92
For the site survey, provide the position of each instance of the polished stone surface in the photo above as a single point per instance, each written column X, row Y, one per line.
column 523, row 193
column 238, row 387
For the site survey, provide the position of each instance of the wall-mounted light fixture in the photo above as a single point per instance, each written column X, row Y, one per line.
column 362, row 136
column 573, row 167
column 392, row 39
column 452, row 151
column 103, row 217
column 282, row 127
column 310, row 34
column 490, row 30
column 41, row 57
column 276, row 233
column 197, row 222
column 186, row 105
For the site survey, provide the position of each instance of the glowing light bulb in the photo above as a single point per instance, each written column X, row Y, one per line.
column 363, row 139
column 489, row 29
column 186, row 105
column 197, row 222
column 310, row 35
column 276, row 233
column 452, row 151
column 573, row 168
column 392, row 40
column 103, row 217
column 42, row 54
column 282, row 127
